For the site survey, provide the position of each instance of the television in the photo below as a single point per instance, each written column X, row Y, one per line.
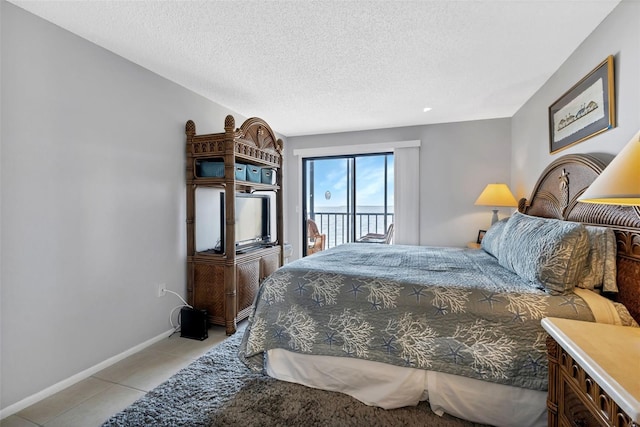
column 253, row 222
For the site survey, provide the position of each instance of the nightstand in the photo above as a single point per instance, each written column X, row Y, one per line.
column 473, row 245
column 594, row 374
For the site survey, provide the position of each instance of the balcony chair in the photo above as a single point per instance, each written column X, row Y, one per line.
column 386, row 238
column 316, row 241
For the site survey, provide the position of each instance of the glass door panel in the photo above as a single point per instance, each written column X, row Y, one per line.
column 328, row 194
column 346, row 197
column 374, row 194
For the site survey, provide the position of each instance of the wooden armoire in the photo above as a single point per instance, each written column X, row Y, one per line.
column 224, row 281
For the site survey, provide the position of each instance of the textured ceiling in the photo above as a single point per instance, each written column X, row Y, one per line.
column 333, row 66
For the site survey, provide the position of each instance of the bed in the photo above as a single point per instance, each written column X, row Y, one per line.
column 393, row 325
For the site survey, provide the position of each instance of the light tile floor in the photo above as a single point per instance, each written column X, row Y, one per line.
column 92, row 401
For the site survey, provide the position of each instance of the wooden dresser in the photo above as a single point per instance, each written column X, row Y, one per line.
column 594, row 374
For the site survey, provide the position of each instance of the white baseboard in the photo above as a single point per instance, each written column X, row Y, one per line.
column 50, row 391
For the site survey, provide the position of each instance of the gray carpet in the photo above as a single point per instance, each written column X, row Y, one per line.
column 218, row 390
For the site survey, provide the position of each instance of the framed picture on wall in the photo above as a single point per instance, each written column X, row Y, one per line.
column 585, row 110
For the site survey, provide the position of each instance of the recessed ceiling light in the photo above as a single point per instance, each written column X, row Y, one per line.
column 427, row 109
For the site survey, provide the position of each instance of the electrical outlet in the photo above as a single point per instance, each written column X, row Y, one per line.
column 162, row 289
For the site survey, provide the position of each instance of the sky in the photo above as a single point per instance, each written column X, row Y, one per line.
column 331, row 176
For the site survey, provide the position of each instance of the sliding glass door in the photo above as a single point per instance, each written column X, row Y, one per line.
column 346, row 197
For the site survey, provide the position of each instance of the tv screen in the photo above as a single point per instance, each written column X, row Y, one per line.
column 252, row 220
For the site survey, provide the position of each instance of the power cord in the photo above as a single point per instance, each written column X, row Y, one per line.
column 176, row 328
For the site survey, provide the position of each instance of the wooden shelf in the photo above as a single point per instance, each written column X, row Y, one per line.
column 246, row 186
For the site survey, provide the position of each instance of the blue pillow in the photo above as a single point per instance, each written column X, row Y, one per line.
column 548, row 252
column 492, row 238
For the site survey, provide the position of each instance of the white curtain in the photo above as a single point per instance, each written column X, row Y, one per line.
column 407, row 196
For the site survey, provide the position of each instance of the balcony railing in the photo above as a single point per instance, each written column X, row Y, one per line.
column 337, row 225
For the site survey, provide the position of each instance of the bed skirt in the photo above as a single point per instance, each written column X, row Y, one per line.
column 388, row 386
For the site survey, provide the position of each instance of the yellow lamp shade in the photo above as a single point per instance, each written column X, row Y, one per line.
column 496, row 195
column 619, row 183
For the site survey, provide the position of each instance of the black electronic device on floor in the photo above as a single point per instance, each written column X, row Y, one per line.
column 193, row 323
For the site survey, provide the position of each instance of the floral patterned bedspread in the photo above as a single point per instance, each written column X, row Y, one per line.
column 443, row 309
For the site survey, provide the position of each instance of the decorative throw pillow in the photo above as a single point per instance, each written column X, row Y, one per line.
column 609, row 280
column 600, row 267
column 549, row 252
column 491, row 240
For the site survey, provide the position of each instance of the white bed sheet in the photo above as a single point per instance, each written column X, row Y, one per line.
column 388, row 386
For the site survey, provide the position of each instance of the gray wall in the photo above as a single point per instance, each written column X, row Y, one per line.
column 457, row 160
column 93, row 202
column 617, row 35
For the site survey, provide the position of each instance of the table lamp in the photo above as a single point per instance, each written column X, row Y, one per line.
column 619, row 182
column 496, row 195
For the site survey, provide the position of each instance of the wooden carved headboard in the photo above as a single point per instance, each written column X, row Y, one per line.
column 555, row 196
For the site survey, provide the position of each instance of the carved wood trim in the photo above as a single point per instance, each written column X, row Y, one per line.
column 254, row 141
column 574, row 393
column 553, row 351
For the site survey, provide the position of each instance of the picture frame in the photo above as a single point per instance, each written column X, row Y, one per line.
column 481, row 234
column 585, row 110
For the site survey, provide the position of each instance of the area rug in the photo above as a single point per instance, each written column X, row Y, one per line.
column 218, row 390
